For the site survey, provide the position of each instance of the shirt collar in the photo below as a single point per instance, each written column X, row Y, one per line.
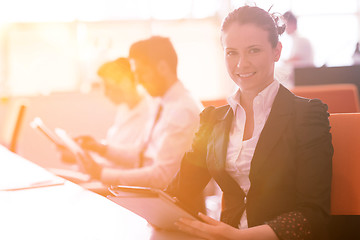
column 138, row 109
column 266, row 96
column 234, row 100
column 172, row 92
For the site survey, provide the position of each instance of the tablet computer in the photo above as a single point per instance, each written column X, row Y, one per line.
column 157, row 207
column 62, row 139
column 38, row 124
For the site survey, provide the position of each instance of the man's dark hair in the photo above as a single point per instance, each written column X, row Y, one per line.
column 290, row 17
column 153, row 50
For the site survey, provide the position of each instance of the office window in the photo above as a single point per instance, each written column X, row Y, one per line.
column 321, row 7
column 41, row 58
column 331, row 27
column 333, row 38
column 279, row 6
column 101, row 10
column 57, row 45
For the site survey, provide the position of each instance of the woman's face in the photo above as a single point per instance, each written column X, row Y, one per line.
column 249, row 57
column 119, row 92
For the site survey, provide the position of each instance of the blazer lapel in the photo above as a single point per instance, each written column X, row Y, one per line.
column 275, row 125
column 221, row 138
column 218, row 145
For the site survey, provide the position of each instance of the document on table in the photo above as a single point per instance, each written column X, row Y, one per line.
column 17, row 173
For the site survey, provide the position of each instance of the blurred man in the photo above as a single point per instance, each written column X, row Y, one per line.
column 154, row 62
column 301, row 53
column 297, row 52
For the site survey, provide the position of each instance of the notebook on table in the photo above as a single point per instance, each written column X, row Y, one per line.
column 157, row 207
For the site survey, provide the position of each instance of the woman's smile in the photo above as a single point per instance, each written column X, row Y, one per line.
column 246, row 75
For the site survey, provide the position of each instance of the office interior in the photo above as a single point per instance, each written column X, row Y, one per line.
column 50, row 52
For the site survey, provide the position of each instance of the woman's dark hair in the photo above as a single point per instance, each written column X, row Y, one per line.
column 272, row 23
column 117, row 70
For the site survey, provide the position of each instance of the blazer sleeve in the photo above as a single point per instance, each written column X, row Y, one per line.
column 193, row 175
column 314, row 170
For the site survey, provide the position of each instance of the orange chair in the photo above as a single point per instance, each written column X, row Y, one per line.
column 14, row 118
column 215, row 102
column 340, row 98
column 345, row 192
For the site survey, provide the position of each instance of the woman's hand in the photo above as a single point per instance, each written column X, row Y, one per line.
column 86, row 142
column 89, row 143
column 208, row 229
column 214, row 230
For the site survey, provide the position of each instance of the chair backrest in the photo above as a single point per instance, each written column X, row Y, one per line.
column 327, row 75
column 215, row 102
column 345, row 192
column 340, row 98
column 10, row 129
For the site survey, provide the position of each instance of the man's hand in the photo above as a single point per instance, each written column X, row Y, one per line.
column 66, row 155
column 89, row 165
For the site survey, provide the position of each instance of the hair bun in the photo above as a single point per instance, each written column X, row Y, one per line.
column 279, row 22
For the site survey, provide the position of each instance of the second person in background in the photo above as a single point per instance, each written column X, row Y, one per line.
column 134, row 117
column 176, row 119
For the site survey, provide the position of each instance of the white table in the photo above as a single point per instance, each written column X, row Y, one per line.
column 62, row 210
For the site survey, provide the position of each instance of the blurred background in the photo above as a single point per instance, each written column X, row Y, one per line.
column 48, row 46
column 50, row 52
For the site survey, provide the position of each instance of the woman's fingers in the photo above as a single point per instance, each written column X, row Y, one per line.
column 193, row 227
column 208, row 219
column 86, row 142
column 208, row 229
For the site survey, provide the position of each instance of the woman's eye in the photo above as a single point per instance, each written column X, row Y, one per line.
column 230, row 53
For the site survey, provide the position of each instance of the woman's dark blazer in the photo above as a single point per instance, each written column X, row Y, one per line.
column 290, row 170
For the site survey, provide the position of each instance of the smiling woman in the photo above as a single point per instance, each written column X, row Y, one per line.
column 250, row 58
column 269, row 150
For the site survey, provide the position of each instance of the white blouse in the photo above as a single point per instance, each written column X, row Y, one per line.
column 128, row 134
column 240, row 152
